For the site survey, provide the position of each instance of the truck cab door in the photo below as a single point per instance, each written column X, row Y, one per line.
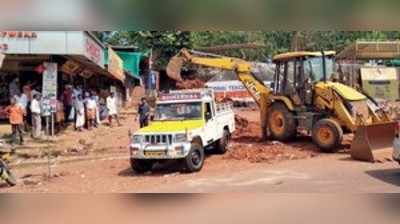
column 211, row 128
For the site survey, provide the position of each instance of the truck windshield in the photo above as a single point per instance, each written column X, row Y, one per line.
column 178, row 111
column 314, row 68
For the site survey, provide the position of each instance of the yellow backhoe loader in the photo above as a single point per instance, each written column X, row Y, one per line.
column 305, row 97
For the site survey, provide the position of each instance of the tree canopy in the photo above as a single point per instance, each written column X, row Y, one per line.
column 165, row 44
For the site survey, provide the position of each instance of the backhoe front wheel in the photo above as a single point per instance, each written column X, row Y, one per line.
column 327, row 135
column 281, row 123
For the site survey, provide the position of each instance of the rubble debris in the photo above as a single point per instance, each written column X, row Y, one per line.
column 267, row 152
column 190, row 84
column 248, row 145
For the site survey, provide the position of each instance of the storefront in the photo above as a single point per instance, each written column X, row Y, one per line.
column 79, row 56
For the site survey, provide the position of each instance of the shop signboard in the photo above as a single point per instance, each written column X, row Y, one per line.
column 115, row 65
column 94, row 51
column 70, row 67
column 234, row 90
column 49, row 89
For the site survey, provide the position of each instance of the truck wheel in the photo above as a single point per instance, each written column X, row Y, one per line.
column 222, row 144
column 141, row 166
column 327, row 135
column 281, row 122
column 195, row 160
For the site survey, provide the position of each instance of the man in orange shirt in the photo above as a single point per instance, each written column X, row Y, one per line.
column 16, row 116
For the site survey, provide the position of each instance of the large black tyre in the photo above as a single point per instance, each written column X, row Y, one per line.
column 327, row 135
column 194, row 161
column 141, row 166
column 222, row 144
column 281, row 123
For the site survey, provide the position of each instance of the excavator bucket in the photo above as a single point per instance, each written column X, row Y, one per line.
column 174, row 68
column 370, row 140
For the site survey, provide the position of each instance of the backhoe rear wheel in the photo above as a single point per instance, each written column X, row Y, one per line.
column 327, row 135
column 281, row 122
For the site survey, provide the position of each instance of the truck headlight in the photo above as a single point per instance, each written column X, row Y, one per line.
column 181, row 138
column 137, row 139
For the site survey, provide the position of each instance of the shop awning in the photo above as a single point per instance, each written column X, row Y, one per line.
column 87, row 64
column 131, row 62
column 367, row 50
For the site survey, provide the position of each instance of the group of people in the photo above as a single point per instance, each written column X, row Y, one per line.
column 24, row 110
column 86, row 108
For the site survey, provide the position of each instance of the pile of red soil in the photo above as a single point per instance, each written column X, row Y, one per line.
column 269, row 152
column 248, row 145
column 190, row 84
column 246, row 130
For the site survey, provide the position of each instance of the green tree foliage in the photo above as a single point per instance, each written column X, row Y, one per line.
column 165, row 44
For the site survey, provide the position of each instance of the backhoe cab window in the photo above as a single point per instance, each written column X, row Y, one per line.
column 313, row 67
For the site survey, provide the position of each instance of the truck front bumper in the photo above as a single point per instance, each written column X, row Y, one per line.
column 161, row 152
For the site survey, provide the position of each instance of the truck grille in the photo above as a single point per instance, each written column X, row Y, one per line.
column 158, row 139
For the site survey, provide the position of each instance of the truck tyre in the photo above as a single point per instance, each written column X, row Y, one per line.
column 141, row 166
column 327, row 135
column 222, row 144
column 194, row 161
column 281, row 123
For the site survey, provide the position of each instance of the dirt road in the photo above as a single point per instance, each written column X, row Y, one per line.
column 326, row 174
column 277, row 168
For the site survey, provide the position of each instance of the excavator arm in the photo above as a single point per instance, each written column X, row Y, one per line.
column 256, row 88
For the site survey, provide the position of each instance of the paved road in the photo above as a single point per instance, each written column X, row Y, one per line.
column 326, row 174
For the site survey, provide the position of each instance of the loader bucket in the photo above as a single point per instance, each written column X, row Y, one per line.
column 174, row 68
column 368, row 139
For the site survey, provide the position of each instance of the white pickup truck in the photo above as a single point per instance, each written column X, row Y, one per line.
column 185, row 124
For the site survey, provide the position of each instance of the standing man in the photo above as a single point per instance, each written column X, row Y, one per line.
column 79, row 107
column 16, row 117
column 144, row 113
column 36, row 111
column 14, row 88
column 68, row 102
column 96, row 98
column 112, row 109
column 91, row 107
column 22, row 101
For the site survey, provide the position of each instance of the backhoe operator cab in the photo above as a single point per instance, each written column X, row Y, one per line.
column 297, row 72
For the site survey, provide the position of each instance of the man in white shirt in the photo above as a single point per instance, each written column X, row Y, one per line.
column 112, row 109
column 36, row 116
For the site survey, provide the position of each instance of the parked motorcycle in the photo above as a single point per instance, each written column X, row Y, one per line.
column 6, row 174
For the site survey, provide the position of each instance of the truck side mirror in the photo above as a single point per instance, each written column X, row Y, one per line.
column 208, row 116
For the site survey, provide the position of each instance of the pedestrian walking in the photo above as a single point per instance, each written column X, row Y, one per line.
column 16, row 118
column 112, row 109
column 36, row 111
column 144, row 113
column 80, row 113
